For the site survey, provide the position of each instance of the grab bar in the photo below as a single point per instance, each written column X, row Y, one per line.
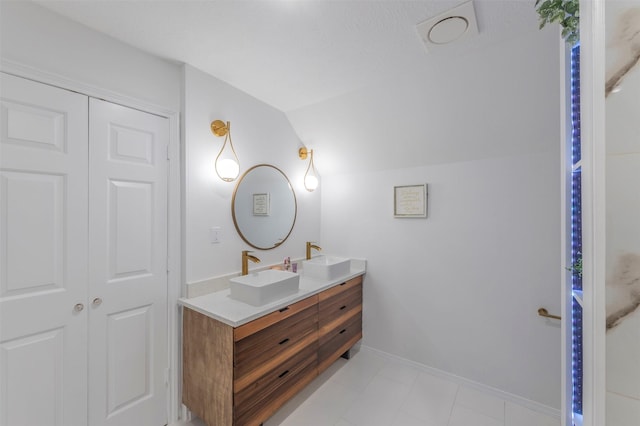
column 544, row 313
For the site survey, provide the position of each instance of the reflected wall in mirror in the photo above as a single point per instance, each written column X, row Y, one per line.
column 264, row 207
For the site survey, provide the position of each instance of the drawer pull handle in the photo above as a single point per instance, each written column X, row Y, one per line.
column 343, row 331
column 283, row 309
column 284, row 341
column 343, row 307
column 344, row 283
column 283, row 374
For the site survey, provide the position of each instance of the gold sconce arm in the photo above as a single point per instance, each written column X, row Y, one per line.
column 310, row 176
column 227, row 164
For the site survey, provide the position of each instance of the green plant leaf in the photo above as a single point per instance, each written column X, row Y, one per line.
column 572, row 7
column 565, row 13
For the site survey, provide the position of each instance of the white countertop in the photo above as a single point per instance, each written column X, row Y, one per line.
column 218, row 305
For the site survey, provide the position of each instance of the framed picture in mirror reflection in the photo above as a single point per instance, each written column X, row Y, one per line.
column 261, row 204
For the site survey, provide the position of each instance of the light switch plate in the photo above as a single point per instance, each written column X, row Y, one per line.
column 215, row 235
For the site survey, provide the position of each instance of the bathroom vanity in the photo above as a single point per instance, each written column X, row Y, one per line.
column 241, row 363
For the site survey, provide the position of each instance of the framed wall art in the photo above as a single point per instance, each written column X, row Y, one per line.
column 410, row 201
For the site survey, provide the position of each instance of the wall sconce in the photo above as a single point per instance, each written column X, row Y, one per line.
column 227, row 163
column 311, row 176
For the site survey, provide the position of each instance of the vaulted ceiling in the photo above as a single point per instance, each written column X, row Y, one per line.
column 354, row 76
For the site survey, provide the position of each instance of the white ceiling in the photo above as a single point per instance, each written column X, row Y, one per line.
column 355, row 79
column 292, row 53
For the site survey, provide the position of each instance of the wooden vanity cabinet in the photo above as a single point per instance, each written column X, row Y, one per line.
column 241, row 376
column 339, row 321
column 274, row 357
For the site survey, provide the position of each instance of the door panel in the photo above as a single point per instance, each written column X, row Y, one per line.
column 43, row 255
column 130, row 358
column 131, row 145
column 131, row 227
column 35, row 401
column 35, row 127
column 128, row 266
column 32, row 208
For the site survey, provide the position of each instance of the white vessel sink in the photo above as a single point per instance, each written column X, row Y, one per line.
column 260, row 288
column 326, row 267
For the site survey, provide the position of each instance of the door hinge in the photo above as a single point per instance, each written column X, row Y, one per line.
column 167, row 378
column 168, row 157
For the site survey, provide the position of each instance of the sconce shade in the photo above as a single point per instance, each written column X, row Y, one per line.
column 310, row 182
column 311, row 176
column 227, row 169
column 227, row 164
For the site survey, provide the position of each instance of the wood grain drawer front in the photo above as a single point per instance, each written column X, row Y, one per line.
column 333, row 291
column 267, row 344
column 351, row 322
column 255, row 326
column 340, row 305
column 338, row 341
column 261, row 393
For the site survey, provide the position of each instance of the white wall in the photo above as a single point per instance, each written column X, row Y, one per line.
column 502, row 100
column 261, row 134
column 38, row 38
column 459, row 290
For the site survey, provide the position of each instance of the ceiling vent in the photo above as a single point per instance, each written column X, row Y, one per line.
column 454, row 25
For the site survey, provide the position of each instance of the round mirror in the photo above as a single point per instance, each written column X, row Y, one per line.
column 264, row 207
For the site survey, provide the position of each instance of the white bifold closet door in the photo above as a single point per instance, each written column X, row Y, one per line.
column 43, row 254
column 83, row 252
column 127, row 266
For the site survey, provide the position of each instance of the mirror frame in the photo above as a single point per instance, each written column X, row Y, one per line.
column 233, row 210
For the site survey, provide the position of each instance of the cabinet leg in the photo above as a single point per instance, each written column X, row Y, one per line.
column 347, row 354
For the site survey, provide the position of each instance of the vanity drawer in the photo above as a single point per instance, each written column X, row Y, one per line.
column 257, row 401
column 275, row 341
column 339, row 340
column 333, row 328
column 255, row 326
column 340, row 305
column 340, row 288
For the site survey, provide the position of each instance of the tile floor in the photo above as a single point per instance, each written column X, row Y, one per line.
column 372, row 390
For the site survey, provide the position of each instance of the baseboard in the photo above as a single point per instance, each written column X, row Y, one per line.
column 533, row 405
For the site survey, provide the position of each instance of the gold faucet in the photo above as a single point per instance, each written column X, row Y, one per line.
column 310, row 246
column 246, row 257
